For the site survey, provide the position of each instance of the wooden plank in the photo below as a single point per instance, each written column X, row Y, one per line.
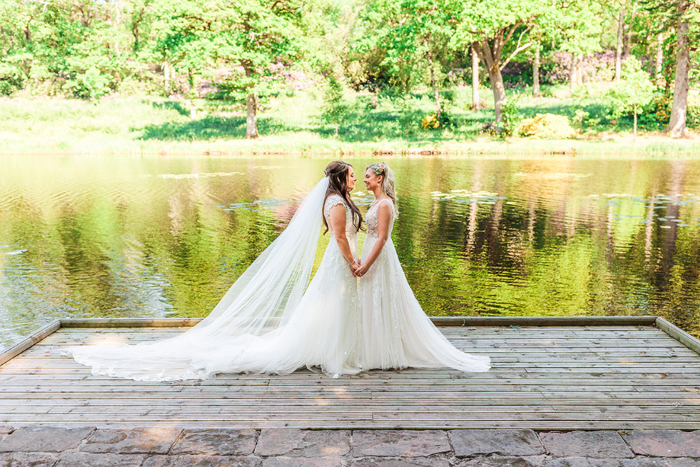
column 29, row 341
column 630, row 377
column 128, row 322
column 678, row 334
column 543, row 320
column 437, row 320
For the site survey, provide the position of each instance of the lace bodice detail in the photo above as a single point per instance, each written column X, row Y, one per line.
column 372, row 219
column 350, row 230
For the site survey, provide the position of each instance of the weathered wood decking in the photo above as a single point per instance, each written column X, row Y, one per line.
column 563, row 374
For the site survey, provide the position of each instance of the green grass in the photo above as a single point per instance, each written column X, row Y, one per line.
column 294, row 124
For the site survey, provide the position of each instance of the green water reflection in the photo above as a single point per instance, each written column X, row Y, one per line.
column 165, row 237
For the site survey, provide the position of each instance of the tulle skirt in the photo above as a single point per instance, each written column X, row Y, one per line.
column 395, row 332
column 321, row 334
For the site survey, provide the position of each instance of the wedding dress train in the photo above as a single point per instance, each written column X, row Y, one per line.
column 268, row 322
column 396, row 333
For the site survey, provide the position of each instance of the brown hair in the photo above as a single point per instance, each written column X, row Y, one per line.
column 337, row 173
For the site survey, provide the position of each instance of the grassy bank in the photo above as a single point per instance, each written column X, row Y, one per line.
column 294, row 124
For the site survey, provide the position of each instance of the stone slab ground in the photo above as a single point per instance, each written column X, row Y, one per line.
column 41, row 446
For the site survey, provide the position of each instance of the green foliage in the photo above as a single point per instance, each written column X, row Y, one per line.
column 89, row 85
column 433, row 121
column 511, row 118
column 546, row 126
column 634, row 91
column 11, row 78
column 335, row 108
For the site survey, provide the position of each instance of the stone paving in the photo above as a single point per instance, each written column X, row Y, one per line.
column 38, row 446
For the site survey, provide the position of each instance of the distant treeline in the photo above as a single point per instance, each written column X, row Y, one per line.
column 248, row 50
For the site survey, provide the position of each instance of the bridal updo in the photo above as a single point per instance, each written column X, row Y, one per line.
column 337, row 173
column 382, row 169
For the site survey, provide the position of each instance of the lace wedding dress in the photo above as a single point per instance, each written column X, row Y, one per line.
column 268, row 322
column 396, row 333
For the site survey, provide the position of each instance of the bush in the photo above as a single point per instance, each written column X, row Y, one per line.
column 510, row 118
column 433, row 122
column 89, row 85
column 546, row 126
column 658, row 113
column 11, row 79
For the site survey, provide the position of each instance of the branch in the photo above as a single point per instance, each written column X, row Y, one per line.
column 487, row 54
column 517, row 46
column 519, row 49
column 497, row 53
column 479, row 52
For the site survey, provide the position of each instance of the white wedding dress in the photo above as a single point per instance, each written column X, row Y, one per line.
column 396, row 333
column 268, row 322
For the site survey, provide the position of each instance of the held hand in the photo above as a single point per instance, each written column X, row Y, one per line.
column 354, row 267
column 361, row 270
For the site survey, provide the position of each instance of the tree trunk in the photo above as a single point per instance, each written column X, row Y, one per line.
column 659, row 57
column 251, row 106
column 618, row 52
column 634, row 138
column 434, row 85
column 492, row 63
column 676, row 127
column 627, row 48
column 166, row 76
column 579, row 70
column 669, row 69
column 499, row 91
column 475, row 80
column 627, row 41
column 536, row 72
column 572, row 73
column 251, row 122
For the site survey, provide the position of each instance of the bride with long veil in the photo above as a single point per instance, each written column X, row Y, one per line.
column 272, row 319
column 269, row 321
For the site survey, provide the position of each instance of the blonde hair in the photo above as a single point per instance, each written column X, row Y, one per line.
column 388, row 181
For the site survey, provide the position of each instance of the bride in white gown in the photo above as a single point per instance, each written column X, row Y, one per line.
column 395, row 332
column 268, row 321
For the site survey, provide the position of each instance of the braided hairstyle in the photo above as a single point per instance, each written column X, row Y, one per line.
column 382, row 169
column 337, row 173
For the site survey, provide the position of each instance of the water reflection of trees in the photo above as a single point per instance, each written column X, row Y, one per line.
column 551, row 248
column 113, row 237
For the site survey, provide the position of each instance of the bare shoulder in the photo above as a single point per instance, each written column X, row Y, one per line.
column 385, row 208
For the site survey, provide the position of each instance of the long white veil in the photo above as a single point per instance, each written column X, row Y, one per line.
column 261, row 301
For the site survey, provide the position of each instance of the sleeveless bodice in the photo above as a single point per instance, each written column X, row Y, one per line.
column 350, row 229
column 372, row 219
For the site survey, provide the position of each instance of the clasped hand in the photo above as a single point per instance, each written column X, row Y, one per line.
column 359, row 269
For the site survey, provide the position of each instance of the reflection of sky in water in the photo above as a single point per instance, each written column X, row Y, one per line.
column 160, row 237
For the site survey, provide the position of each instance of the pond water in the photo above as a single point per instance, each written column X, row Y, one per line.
column 166, row 237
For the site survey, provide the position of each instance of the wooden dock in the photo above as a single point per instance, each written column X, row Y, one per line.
column 548, row 374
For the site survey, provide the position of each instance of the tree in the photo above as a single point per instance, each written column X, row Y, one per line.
column 413, row 33
column 683, row 18
column 575, row 26
column 632, row 92
column 259, row 38
column 489, row 26
column 475, row 79
column 252, row 39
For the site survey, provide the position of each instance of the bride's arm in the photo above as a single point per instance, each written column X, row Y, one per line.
column 338, row 224
column 383, row 222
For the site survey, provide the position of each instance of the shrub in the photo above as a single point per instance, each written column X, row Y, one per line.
column 658, row 113
column 89, row 85
column 510, row 118
column 11, row 78
column 546, row 126
column 433, row 122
